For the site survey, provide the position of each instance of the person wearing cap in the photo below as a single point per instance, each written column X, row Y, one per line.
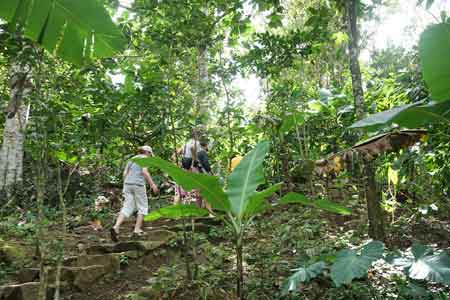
column 135, row 193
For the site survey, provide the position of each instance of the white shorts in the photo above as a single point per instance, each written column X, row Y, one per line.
column 135, row 200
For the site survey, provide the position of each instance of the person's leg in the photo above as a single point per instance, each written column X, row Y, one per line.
column 127, row 208
column 142, row 207
column 139, row 223
column 120, row 219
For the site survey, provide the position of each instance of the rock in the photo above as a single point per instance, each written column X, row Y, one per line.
column 149, row 293
column 154, row 240
column 160, row 235
column 28, row 275
column 85, row 277
column 25, row 291
column 110, row 262
column 100, row 249
column 133, row 254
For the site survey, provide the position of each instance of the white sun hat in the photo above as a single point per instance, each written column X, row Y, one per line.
column 146, row 149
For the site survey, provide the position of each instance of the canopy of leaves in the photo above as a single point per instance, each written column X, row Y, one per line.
column 74, row 30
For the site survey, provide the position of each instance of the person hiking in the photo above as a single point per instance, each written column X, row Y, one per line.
column 204, row 167
column 189, row 160
column 135, row 194
column 203, row 159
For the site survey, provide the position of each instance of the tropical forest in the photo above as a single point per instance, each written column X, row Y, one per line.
column 224, row 149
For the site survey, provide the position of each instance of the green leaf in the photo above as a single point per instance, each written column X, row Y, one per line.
column 296, row 119
column 295, row 198
column 350, row 265
column 316, row 106
column 410, row 116
column 208, row 186
column 74, row 30
column 256, row 203
column 246, row 177
column 177, row 212
column 302, row 275
column 434, row 47
column 429, row 266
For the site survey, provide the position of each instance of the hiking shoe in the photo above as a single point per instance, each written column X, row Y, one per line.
column 114, row 235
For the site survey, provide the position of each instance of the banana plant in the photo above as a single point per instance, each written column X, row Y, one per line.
column 237, row 205
column 75, row 31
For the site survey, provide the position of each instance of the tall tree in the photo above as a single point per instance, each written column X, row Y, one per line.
column 11, row 154
column 351, row 8
column 75, row 31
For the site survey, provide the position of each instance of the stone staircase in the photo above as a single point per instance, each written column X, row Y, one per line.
column 96, row 257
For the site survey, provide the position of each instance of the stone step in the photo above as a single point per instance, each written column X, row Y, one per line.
column 24, row 291
column 153, row 240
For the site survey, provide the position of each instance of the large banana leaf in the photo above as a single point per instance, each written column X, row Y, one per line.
column 434, row 48
column 176, row 212
column 75, row 30
column 409, row 116
column 256, row 202
column 246, row 177
column 324, row 204
column 208, row 186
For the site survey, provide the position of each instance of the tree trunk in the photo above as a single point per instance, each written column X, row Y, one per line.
column 240, row 269
column 202, row 105
column 353, row 49
column 374, row 210
column 11, row 154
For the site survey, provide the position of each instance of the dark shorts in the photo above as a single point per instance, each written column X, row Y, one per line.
column 186, row 163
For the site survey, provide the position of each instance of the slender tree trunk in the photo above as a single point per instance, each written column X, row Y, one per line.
column 353, row 48
column 11, row 153
column 240, row 270
column 202, row 105
column 229, row 127
column 374, row 210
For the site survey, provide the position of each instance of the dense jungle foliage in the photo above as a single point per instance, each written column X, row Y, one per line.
column 329, row 149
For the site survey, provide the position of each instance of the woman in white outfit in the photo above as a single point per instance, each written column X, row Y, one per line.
column 135, row 193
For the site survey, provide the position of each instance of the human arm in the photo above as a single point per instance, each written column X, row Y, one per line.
column 149, row 180
column 126, row 170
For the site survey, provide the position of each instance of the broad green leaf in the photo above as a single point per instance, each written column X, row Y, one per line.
column 295, row 198
column 393, row 176
column 429, row 266
column 176, row 212
column 74, row 30
column 302, row 275
column 350, row 265
column 295, row 119
column 316, row 106
column 246, row 177
column 434, row 48
column 256, row 203
column 410, row 116
column 208, row 186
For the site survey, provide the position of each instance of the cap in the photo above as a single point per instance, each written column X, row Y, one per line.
column 146, row 149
